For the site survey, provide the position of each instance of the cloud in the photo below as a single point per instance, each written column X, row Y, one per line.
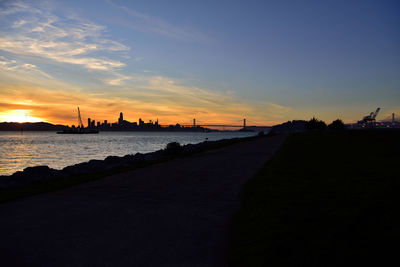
column 18, row 7
column 11, row 65
column 156, row 25
column 117, row 80
column 65, row 40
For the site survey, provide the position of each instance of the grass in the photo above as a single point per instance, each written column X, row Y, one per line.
column 325, row 199
column 40, row 187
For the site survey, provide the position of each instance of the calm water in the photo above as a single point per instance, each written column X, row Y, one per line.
column 20, row 150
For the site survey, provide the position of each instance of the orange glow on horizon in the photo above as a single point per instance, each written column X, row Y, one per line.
column 171, row 104
column 18, row 116
column 21, row 115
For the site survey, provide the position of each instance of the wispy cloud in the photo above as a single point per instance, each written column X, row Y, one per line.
column 12, row 65
column 17, row 7
column 117, row 79
column 69, row 40
column 156, row 25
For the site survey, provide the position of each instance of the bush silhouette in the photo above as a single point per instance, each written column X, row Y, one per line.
column 173, row 147
column 337, row 125
column 315, row 124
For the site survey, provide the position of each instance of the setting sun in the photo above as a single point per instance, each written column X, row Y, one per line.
column 18, row 116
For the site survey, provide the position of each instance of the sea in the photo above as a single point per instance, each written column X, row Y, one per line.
column 19, row 150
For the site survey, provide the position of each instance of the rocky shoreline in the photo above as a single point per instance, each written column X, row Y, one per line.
column 43, row 173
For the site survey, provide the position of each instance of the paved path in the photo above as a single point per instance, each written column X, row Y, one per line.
column 177, row 213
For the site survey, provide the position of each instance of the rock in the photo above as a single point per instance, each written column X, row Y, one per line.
column 139, row 157
column 95, row 165
column 78, row 169
column 37, row 170
column 5, row 181
column 112, row 159
column 30, row 175
column 149, row 157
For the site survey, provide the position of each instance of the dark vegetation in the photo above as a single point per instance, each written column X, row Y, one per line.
column 315, row 124
column 337, row 125
column 173, row 147
column 327, row 198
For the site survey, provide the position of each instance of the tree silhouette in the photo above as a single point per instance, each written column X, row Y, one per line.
column 315, row 124
column 337, row 125
column 173, row 147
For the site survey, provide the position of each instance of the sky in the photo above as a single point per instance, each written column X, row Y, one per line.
column 216, row 61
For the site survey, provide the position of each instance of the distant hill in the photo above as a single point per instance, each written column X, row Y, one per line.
column 30, row 126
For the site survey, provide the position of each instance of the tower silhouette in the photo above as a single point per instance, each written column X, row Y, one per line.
column 121, row 118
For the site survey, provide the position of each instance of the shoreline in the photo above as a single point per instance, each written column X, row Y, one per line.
column 38, row 179
column 38, row 148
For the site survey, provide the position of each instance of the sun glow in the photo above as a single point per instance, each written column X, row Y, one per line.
column 18, row 115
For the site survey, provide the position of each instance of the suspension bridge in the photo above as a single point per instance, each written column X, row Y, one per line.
column 240, row 124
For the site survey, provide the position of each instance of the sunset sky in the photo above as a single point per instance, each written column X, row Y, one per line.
column 216, row 61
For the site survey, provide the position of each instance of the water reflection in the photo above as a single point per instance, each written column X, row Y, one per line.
column 18, row 151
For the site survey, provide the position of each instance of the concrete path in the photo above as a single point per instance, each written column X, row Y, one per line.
column 177, row 213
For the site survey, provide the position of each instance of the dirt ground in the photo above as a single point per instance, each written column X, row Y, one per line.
column 176, row 213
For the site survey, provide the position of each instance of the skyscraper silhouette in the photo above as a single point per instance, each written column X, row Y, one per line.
column 121, row 118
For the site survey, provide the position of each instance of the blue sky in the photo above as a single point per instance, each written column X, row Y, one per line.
column 218, row 61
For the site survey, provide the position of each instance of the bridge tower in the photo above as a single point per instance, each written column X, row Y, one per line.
column 244, row 123
column 194, row 122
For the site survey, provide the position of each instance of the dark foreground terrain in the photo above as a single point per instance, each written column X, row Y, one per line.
column 174, row 213
column 325, row 199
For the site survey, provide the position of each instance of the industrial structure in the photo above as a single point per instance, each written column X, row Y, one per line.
column 369, row 120
column 81, row 128
column 80, row 124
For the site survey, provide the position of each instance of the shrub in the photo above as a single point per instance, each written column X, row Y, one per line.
column 173, row 147
column 315, row 124
column 337, row 125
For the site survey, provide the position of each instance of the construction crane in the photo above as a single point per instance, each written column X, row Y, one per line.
column 370, row 119
column 80, row 124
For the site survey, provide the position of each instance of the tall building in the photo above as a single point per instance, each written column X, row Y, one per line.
column 88, row 122
column 121, row 118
